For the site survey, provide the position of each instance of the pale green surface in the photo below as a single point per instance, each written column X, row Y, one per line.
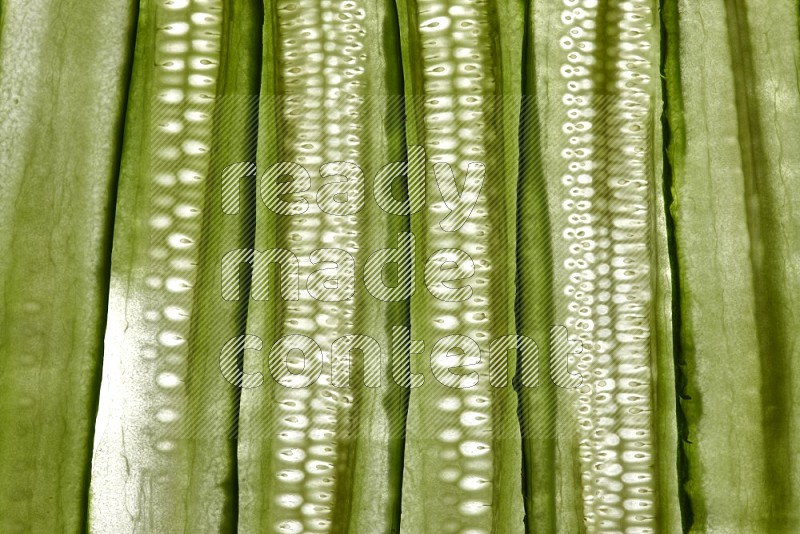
column 733, row 185
column 625, row 455
column 347, row 477
column 63, row 82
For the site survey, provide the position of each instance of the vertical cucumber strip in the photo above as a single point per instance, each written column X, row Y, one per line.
column 765, row 35
column 717, row 288
column 553, row 490
column 599, row 177
column 732, row 96
column 212, row 416
column 624, row 464
column 147, row 476
column 463, row 460
column 324, row 458
column 63, row 80
column 370, row 467
column 619, row 460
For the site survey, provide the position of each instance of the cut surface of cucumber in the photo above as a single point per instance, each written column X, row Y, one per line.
column 63, row 84
column 325, row 457
column 732, row 91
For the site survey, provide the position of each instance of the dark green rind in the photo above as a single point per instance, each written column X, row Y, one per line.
column 534, row 300
column 673, row 494
column 666, row 420
column 255, row 464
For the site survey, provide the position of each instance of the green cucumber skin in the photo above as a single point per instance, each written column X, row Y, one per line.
column 666, row 424
column 255, row 462
column 535, row 300
column 673, row 139
column 730, row 104
column 63, row 81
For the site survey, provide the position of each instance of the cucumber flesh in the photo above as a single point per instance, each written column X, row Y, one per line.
column 325, row 457
column 593, row 467
column 462, row 460
column 732, row 93
column 63, row 81
column 148, row 473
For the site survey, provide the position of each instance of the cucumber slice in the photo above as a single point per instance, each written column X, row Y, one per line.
column 732, row 94
column 213, row 404
column 325, row 457
column 592, row 465
column 682, row 416
column 463, row 460
column 63, row 81
column 159, row 465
